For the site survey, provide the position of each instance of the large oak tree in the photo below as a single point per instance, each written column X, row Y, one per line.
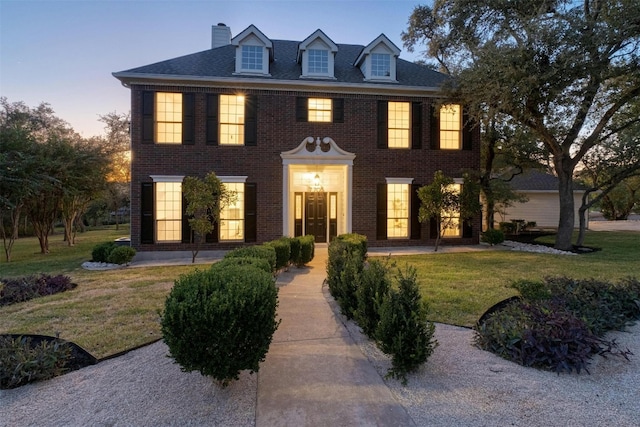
column 564, row 70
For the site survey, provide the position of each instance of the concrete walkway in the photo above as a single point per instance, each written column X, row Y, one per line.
column 314, row 373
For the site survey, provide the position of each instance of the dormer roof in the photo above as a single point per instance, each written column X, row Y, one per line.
column 316, row 35
column 252, row 30
column 380, row 40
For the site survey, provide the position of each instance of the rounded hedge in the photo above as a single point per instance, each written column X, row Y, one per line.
column 221, row 321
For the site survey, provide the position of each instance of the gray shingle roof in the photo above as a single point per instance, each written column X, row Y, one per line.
column 535, row 180
column 220, row 62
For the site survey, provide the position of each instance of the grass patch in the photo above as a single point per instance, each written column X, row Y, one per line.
column 460, row 287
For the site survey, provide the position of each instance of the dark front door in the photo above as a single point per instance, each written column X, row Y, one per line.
column 316, row 215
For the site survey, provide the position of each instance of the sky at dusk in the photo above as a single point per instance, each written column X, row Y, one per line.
column 63, row 52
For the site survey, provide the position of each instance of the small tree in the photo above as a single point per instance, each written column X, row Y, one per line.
column 205, row 200
column 439, row 201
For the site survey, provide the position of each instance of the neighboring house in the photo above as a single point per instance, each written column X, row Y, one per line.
column 315, row 137
column 543, row 205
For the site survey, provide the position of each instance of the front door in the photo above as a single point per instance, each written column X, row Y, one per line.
column 316, row 215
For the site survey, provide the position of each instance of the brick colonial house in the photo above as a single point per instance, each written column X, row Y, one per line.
column 315, row 137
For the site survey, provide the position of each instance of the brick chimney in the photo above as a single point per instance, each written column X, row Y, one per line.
column 220, row 35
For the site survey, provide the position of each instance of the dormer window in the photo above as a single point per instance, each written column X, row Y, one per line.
column 254, row 51
column 316, row 55
column 380, row 65
column 318, row 61
column 377, row 61
column 252, row 58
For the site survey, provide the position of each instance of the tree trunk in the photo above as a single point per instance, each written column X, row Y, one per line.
column 566, row 221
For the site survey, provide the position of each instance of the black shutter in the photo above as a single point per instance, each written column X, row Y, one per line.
column 416, row 125
column 186, row 228
column 188, row 119
column 381, row 212
column 433, row 228
column 467, row 228
column 383, row 124
column 250, row 210
column 434, row 142
column 467, row 127
column 146, row 214
column 213, row 236
column 148, row 108
column 302, row 113
column 212, row 119
column 338, row 110
column 415, row 209
column 251, row 120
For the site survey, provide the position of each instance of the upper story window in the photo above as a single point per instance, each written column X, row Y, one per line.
column 450, row 127
column 380, row 65
column 320, row 110
column 168, row 112
column 252, row 57
column 398, row 126
column 232, row 114
column 318, row 61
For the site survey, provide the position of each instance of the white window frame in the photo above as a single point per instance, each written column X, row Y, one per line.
column 405, row 182
column 406, row 142
column 234, row 180
column 175, row 121
column 313, row 113
column 167, row 179
column 457, row 129
column 239, row 125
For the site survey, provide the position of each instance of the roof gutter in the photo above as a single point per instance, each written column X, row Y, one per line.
column 128, row 79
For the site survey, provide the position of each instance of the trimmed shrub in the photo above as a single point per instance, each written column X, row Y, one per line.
column 404, row 332
column 493, row 236
column 259, row 263
column 371, row 292
column 121, row 255
column 355, row 240
column 100, row 252
column 295, row 245
column 22, row 363
column 345, row 263
column 307, row 249
column 221, row 321
column 283, row 251
column 507, row 227
column 532, row 290
column 258, row 251
column 25, row 288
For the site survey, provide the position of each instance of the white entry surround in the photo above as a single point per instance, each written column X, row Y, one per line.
column 334, row 166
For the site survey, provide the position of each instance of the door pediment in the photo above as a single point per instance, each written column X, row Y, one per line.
column 319, row 150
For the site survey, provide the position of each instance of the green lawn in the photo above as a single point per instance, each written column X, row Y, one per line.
column 111, row 311
column 461, row 286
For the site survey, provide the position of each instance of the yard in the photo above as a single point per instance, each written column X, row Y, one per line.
column 112, row 311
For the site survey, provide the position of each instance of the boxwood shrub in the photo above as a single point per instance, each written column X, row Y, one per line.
column 266, row 252
column 282, row 247
column 101, row 252
column 121, row 255
column 307, row 250
column 259, row 263
column 221, row 321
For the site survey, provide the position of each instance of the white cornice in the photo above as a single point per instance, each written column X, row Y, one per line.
column 309, row 85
